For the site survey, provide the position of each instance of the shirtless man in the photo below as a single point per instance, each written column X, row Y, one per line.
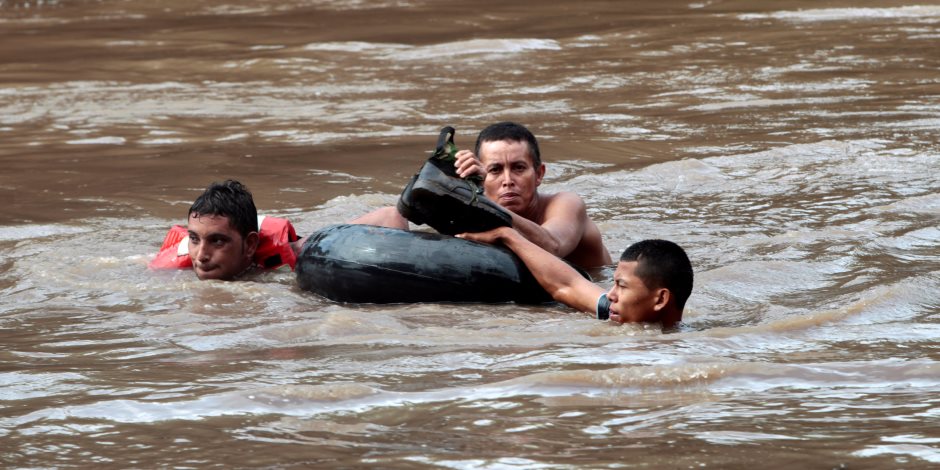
column 507, row 156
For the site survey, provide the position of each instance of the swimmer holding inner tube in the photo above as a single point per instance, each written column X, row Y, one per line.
column 652, row 281
column 225, row 239
column 507, row 156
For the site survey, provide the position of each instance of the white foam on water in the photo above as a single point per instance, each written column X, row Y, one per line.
column 308, row 400
column 846, row 14
column 911, row 439
column 24, row 385
column 355, row 46
column 615, row 117
column 230, row 10
column 621, row 133
column 501, row 463
column 269, row 47
column 738, row 437
column 755, row 102
column 108, row 140
column 231, row 137
column 691, row 92
column 160, row 141
column 926, row 204
column 922, row 452
column 31, row 232
column 481, row 47
column 759, row 281
column 914, row 124
column 837, row 84
column 340, row 5
column 128, row 43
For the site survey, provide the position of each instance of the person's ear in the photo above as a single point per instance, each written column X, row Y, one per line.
column 661, row 298
column 669, row 314
column 539, row 174
column 251, row 244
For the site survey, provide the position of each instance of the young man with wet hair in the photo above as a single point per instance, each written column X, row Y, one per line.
column 224, row 238
column 228, row 199
column 652, row 281
column 507, row 156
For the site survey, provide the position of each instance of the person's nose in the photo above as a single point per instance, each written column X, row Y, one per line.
column 507, row 178
column 612, row 295
column 203, row 252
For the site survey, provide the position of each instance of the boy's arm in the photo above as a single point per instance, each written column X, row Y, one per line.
column 559, row 279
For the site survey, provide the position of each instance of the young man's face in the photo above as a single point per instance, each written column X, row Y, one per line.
column 511, row 179
column 218, row 251
column 630, row 298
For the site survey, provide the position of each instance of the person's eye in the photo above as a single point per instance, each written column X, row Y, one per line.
column 193, row 239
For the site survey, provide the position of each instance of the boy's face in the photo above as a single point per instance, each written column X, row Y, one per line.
column 218, row 251
column 630, row 298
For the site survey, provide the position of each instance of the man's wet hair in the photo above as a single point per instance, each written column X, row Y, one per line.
column 512, row 132
column 229, row 199
column 662, row 263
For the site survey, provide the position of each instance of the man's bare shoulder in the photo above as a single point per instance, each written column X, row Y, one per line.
column 568, row 209
column 562, row 203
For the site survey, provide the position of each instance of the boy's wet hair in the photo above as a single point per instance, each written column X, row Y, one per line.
column 512, row 132
column 229, row 199
column 662, row 263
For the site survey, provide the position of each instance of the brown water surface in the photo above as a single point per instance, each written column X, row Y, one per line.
column 790, row 146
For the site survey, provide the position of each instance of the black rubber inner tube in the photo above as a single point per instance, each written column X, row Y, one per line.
column 369, row 264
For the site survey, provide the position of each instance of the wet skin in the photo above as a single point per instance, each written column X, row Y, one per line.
column 631, row 301
column 218, row 250
column 556, row 222
column 511, row 179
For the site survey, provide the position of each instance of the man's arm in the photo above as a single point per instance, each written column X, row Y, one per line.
column 384, row 217
column 559, row 279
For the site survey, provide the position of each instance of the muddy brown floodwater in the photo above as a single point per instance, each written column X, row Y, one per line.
column 791, row 147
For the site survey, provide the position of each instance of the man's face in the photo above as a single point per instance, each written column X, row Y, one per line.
column 630, row 298
column 511, row 179
column 218, row 251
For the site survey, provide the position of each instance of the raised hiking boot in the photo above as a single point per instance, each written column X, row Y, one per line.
column 436, row 196
column 405, row 203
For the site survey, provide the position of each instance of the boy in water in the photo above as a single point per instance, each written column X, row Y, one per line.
column 652, row 282
column 225, row 239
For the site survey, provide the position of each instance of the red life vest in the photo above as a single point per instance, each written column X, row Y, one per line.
column 274, row 250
